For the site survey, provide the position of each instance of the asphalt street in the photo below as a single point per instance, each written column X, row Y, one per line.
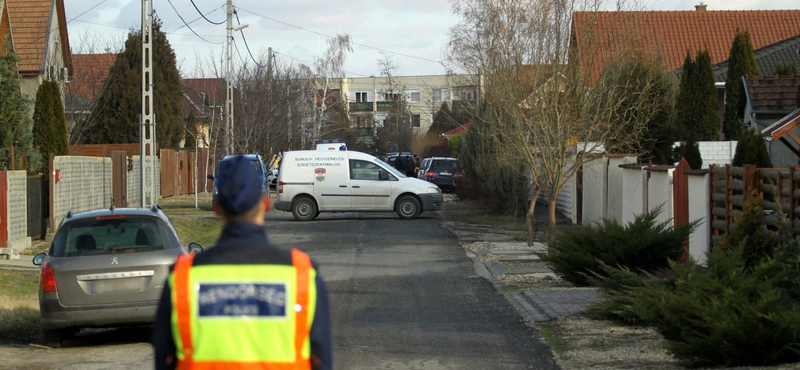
column 404, row 295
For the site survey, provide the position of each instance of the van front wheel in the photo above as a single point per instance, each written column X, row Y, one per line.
column 408, row 207
column 304, row 209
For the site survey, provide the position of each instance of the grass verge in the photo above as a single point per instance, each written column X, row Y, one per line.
column 471, row 212
column 199, row 225
column 19, row 305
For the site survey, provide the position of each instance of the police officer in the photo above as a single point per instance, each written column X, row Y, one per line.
column 243, row 303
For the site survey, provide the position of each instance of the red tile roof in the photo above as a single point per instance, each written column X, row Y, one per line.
column 201, row 93
column 458, row 130
column 90, row 74
column 29, row 21
column 679, row 32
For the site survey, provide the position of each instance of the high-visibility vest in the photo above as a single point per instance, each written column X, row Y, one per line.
column 243, row 316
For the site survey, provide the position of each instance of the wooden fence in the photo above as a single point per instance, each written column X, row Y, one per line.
column 778, row 189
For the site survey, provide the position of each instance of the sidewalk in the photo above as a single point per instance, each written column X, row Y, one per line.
column 501, row 258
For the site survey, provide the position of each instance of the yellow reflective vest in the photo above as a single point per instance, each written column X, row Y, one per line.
column 243, row 316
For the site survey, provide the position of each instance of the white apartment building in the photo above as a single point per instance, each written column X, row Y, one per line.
column 369, row 99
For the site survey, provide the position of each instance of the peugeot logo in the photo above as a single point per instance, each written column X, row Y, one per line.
column 115, row 260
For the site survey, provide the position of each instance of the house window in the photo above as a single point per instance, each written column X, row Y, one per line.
column 413, row 95
column 415, row 120
column 361, row 97
column 440, row 94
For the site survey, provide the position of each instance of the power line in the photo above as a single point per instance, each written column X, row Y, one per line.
column 312, row 63
column 245, row 42
column 189, row 27
column 204, row 16
column 354, row 43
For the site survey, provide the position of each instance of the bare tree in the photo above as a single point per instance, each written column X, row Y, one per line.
column 396, row 134
column 328, row 74
column 542, row 102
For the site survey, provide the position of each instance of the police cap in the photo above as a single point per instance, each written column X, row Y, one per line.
column 238, row 186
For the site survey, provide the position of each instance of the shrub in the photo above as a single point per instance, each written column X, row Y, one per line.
column 741, row 310
column 642, row 245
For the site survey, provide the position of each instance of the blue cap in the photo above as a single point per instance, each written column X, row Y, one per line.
column 238, row 186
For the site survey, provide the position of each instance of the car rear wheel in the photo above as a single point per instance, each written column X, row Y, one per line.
column 304, row 209
column 408, row 207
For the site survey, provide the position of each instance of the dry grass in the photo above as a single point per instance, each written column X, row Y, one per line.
column 19, row 305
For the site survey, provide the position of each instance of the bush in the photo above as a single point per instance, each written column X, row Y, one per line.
column 641, row 245
column 741, row 310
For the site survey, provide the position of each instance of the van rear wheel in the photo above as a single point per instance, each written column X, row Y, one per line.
column 408, row 207
column 304, row 209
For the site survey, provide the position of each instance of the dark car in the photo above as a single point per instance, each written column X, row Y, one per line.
column 442, row 171
column 105, row 268
column 257, row 163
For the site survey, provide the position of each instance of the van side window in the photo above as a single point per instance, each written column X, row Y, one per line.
column 363, row 170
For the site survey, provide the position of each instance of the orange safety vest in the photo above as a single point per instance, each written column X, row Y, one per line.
column 182, row 309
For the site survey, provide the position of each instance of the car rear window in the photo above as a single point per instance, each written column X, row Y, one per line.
column 444, row 165
column 256, row 164
column 115, row 234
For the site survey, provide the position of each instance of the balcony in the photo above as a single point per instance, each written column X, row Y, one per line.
column 382, row 106
column 361, row 107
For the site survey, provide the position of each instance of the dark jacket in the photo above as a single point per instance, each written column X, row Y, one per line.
column 243, row 244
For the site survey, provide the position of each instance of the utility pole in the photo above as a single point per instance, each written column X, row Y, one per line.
column 229, row 84
column 147, row 122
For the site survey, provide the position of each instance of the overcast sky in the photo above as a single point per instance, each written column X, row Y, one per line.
column 412, row 32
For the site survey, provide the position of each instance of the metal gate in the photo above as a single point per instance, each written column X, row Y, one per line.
column 37, row 198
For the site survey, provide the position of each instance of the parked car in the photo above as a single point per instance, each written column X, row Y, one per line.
column 420, row 171
column 442, row 171
column 105, row 268
column 258, row 164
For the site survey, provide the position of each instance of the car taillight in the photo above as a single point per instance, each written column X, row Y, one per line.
column 280, row 187
column 458, row 175
column 47, row 278
column 430, row 174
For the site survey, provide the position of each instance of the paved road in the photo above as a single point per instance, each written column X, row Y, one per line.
column 405, row 296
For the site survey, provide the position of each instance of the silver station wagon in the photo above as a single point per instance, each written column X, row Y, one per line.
column 105, row 268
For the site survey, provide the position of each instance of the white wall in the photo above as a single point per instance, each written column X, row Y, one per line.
column 632, row 193
column 659, row 193
column 699, row 201
column 85, row 184
column 17, row 208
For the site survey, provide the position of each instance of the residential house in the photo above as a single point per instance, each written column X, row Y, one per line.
column 37, row 30
column 370, row 98
column 90, row 74
column 676, row 33
column 772, row 106
column 205, row 98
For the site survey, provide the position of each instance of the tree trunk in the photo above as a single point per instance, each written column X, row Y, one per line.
column 551, row 211
column 529, row 216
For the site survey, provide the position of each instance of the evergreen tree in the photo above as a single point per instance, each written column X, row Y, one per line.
column 786, row 69
column 49, row 121
column 119, row 107
column 190, row 139
column 690, row 151
column 444, row 120
column 15, row 125
column 741, row 62
column 707, row 126
column 685, row 100
column 697, row 100
column 751, row 149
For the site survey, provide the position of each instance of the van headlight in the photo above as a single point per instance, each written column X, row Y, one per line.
column 434, row 190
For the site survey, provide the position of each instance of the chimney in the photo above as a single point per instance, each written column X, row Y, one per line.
column 701, row 7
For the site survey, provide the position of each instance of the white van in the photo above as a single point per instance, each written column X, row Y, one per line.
column 310, row 182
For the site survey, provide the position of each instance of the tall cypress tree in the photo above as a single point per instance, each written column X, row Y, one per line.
column 15, row 125
column 741, row 62
column 49, row 121
column 119, row 107
column 685, row 101
column 697, row 100
column 706, row 94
